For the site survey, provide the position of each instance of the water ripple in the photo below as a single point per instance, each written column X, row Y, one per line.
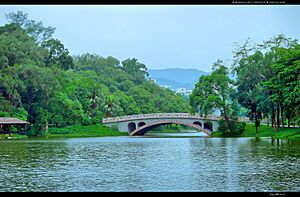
column 149, row 164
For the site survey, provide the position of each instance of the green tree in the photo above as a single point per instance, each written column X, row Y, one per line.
column 199, row 96
column 33, row 28
column 253, row 65
column 144, row 99
column 285, row 84
column 63, row 111
column 39, row 86
column 40, row 82
column 127, row 103
column 57, row 54
column 214, row 92
column 135, row 69
column 251, row 94
column 112, row 107
column 17, row 47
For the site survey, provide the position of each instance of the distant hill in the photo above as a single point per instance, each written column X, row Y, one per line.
column 176, row 77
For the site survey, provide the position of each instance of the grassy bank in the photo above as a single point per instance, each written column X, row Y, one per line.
column 97, row 130
column 12, row 136
column 100, row 130
column 267, row 131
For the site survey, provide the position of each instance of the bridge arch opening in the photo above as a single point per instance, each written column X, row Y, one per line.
column 140, row 124
column 131, row 126
column 208, row 126
column 145, row 128
column 197, row 123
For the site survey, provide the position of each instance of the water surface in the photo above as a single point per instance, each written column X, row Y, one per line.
column 150, row 163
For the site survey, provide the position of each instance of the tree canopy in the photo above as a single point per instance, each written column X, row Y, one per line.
column 266, row 83
column 42, row 83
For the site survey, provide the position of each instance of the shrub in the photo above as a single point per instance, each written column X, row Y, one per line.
column 237, row 127
column 97, row 119
column 65, row 130
column 86, row 120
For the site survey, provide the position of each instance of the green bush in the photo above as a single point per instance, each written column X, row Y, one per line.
column 65, row 130
column 237, row 127
column 86, row 120
column 32, row 130
column 13, row 129
column 97, row 119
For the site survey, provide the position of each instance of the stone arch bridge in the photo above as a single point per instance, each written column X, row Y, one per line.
column 141, row 124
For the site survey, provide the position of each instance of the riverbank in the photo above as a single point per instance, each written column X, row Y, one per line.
column 97, row 130
column 74, row 131
column 267, row 131
column 12, row 136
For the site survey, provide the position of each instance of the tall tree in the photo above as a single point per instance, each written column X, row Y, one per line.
column 17, row 47
column 253, row 64
column 57, row 54
column 135, row 69
column 285, row 84
column 33, row 28
column 249, row 77
column 215, row 92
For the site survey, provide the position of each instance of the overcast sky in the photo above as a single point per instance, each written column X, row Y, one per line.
column 163, row 36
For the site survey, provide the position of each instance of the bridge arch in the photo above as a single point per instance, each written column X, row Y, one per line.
column 208, row 126
column 131, row 127
column 198, row 123
column 147, row 127
column 141, row 124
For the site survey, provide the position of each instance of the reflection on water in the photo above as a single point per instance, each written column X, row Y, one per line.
column 184, row 133
column 150, row 164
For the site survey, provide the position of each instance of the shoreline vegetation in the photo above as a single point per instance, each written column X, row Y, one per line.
column 99, row 130
column 266, row 131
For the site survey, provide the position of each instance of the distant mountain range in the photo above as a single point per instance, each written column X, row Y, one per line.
column 177, row 77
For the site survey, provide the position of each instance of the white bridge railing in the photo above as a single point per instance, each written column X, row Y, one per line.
column 157, row 115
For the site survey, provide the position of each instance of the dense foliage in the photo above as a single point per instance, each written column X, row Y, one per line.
column 268, row 80
column 267, row 84
column 42, row 83
column 216, row 92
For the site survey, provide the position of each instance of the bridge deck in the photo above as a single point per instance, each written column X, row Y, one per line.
column 161, row 115
column 157, row 115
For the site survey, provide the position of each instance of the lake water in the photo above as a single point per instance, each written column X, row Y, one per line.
column 185, row 162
